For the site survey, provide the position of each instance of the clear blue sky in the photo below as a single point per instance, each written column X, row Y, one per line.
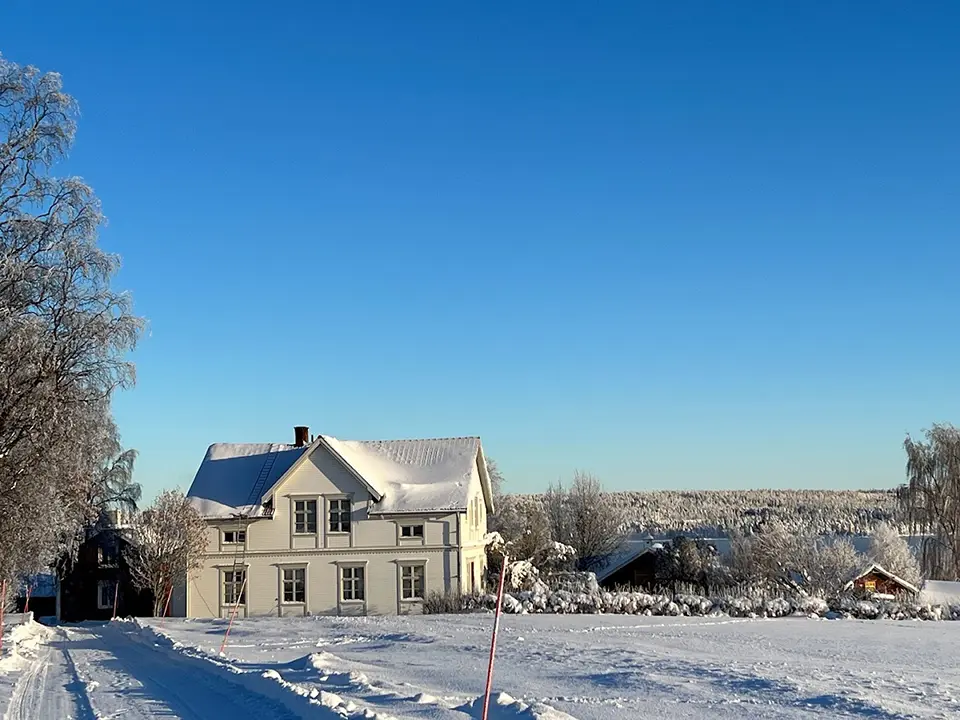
column 681, row 245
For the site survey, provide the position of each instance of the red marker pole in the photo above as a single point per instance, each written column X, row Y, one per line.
column 166, row 605
column 26, row 604
column 493, row 641
column 3, row 606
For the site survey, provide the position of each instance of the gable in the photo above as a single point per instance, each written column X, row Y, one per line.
column 323, row 474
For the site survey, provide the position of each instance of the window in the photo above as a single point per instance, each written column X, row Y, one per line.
column 106, row 591
column 411, row 531
column 234, row 537
column 305, row 516
column 294, row 585
column 339, row 516
column 411, row 582
column 234, row 591
column 351, row 583
column 107, row 554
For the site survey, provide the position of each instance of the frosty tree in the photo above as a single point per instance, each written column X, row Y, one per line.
column 585, row 518
column 932, row 492
column 889, row 550
column 64, row 333
column 166, row 546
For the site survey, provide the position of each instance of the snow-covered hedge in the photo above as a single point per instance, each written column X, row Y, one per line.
column 542, row 599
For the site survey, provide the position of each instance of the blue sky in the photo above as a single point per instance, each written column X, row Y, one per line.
column 680, row 245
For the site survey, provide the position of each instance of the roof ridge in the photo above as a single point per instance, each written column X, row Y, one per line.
column 419, row 439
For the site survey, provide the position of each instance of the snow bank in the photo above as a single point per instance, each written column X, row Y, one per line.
column 19, row 636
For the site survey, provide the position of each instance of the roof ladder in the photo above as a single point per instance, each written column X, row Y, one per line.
column 257, row 490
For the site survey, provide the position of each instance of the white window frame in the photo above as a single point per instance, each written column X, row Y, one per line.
column 306, row 514
column 283, row 584
column 235, row 541
column 412, row 565
column 235, row 586
column 341, row 583
column 111, row 587
column 412, row 527
column 328, row 528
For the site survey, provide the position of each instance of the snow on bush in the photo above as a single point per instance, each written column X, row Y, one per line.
column 543, row 599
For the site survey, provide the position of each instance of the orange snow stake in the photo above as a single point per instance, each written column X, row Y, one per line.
column 3, row 605
column 493, row 640
column 233, row 615
column 166, row 605
column 26, row 604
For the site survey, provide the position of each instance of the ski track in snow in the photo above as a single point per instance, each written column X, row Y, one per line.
column 96, row 672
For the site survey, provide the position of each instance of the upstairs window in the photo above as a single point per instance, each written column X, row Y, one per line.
column 234, row 537
column 411, row 531
column 339, row 516
column 305, row 516
column 107, row 555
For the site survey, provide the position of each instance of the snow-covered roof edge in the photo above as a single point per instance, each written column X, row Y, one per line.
column 485, row 485
column 622, row 563
column 874, row 567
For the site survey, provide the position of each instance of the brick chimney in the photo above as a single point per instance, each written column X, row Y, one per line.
column 301, row 435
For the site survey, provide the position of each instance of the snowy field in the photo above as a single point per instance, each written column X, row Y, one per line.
column 592, row 667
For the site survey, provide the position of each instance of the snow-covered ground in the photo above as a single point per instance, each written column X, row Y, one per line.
column 599, row 667
column 592, row 667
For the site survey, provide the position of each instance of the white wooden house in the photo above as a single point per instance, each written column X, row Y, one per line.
column 338, row 527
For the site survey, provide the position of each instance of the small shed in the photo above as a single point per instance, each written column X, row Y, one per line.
column 631, row 569
column 877, row 582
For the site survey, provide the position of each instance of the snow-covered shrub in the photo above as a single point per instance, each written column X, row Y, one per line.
column 437, row 603
column 813, row 606
column 522, row 575
column 578, row 582
column 777, row 607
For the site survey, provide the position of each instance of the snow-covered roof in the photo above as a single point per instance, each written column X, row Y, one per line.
column 623, row 556
column 427, row 475
column 223, row 485
column 941, row 592
column 874, row 568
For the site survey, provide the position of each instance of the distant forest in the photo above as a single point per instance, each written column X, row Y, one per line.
column 720, row 513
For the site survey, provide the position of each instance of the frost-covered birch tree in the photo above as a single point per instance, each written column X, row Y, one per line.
column 932, row 493
column 585, row 518
column 889, row 550
column 167, row 543
column 64, row 332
